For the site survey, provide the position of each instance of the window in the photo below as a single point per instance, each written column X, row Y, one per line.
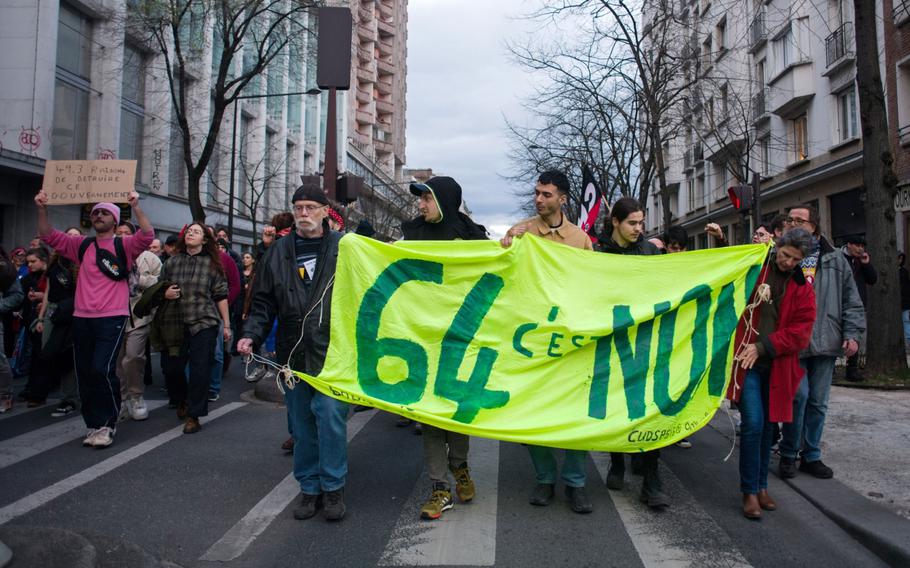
column 903, row 100
column 720, row 36
column 246, row 128
column 690, row 193
column 846, row 114
column 176, row 166
column 214, row 171
column 706, row 53
column 72, row 86
column 783, row 51
column 760, row 73
column 764, row 149
column 724, row 102
column 799, row 133
column 267, row 171
column 132, row 108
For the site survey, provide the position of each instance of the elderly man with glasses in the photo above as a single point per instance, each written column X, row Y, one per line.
column 839, row 325
column 294, row 283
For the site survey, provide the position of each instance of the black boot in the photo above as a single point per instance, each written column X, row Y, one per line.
column 617, row 471
column 578, row 500
column 651, row 487
column 334, row 505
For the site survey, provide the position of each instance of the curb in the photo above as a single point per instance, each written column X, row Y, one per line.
column 883, row 532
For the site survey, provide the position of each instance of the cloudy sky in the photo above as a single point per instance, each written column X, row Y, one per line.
column 461, row 81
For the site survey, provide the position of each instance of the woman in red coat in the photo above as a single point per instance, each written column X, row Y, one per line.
column 766, row 373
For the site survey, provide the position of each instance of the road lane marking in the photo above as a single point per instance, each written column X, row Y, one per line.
column 239, row 538
column 676, row 537
column 14, row 450
column 48, row 494
column 417, row 542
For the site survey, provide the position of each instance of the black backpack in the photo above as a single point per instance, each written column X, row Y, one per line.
column 114, row 266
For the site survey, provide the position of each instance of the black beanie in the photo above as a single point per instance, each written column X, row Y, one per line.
column 310, row 192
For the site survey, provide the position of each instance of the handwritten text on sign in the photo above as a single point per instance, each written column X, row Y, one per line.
column 88, row 181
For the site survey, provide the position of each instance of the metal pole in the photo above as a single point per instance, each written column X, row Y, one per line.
column 330, row 172
column 233, row 166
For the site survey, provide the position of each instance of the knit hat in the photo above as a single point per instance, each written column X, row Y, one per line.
column 336, row 216
column 110, row 208
column 310, row 192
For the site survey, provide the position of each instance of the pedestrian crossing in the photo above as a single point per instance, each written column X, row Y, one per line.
column 499, row 528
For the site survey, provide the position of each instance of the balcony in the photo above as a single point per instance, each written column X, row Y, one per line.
column 366, row 72
column 384, row 87
column 365, row 15
column 366, row 31
column 385, row 107
column 382, row 146
column 364, row 117
column 758, row 33
column 364, row 97
column 839, row 49
column 385, row 67
column 385, row 27
column 364, row 55
column 791, row 90
column 760, row 106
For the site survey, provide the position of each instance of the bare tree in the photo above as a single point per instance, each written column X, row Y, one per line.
column 244, row 37
column 384, row 206
column 885, row 353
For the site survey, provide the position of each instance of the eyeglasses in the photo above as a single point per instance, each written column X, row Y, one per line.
column 796, row 221
column 307, row 208
column 194, row 232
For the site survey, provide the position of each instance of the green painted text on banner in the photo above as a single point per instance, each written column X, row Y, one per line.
column 539, row 343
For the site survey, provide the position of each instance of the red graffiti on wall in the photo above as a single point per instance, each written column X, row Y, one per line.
column 29, row 139
column 106, row 154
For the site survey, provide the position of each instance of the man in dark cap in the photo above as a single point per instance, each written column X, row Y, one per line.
column 441, row 220
column 864, row 275
column 294, row 284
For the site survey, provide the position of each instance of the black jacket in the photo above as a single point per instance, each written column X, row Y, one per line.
column 863, row 274
column 453, row 225
column 278, row 291
column 638, row 248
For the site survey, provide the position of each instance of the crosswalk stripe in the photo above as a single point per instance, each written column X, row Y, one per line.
column 44, row 496
column 20, row 408
column 33, row 443
column 417, row 542
column 664, row 540
column 236, row 541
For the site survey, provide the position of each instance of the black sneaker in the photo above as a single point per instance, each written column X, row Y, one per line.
column 816, row 469
column 309, row 504
column 787, row 468
column 334, row 505
column 64, row 409
column 542, row 494
column 578, row 500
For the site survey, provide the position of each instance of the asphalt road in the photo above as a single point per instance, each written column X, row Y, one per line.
column 221, row 498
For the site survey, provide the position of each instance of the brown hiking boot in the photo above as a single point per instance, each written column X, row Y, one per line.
column 192, row 425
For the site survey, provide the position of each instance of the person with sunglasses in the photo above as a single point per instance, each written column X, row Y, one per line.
column 101, row 306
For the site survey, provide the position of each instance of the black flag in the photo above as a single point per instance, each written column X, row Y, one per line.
column 590, row 200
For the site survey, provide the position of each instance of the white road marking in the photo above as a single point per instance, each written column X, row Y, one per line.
column 676, row 537
column 33, row 443
column 417, row 542
column 239, row 538
column 48, row 494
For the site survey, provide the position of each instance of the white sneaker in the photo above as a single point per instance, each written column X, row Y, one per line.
column 90, row 437
column 103, row 437
column 137, row 408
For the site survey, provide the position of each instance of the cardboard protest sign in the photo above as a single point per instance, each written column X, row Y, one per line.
column 68, row 182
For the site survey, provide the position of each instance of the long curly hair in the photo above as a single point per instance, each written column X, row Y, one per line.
column 209, row 246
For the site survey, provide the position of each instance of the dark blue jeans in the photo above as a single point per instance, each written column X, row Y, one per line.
column 755, row 433
column 96, row 343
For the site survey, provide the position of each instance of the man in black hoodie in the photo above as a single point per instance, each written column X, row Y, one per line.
column 441, row 220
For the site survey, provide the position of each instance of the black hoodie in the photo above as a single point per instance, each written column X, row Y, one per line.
column 453, row 225
column 641, row 247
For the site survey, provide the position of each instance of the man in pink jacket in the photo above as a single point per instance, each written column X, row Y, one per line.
column 102, row 307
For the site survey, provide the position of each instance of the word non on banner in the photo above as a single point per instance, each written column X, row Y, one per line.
column 538, row 343
column 88, row 181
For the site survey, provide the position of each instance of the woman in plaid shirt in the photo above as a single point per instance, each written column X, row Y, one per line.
column 199, row 286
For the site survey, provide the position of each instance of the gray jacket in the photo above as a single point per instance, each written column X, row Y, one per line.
column 11, row 298
column 840, row 314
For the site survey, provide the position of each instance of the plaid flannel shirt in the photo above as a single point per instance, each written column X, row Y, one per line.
column 200, row 289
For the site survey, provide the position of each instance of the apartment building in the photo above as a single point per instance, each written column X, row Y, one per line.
column 896, row 23
column 770, row 95
column 75, row 85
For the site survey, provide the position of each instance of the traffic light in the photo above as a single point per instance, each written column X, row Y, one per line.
column 740, row 197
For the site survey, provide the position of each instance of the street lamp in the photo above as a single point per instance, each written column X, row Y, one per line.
column 313, row 91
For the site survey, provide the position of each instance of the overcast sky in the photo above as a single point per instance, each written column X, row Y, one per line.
column 461, row 81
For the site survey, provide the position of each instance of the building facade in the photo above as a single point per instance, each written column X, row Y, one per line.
column 74, row 84
column 770, row 96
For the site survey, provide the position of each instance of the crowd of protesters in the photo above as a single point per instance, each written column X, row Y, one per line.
column 82, row 313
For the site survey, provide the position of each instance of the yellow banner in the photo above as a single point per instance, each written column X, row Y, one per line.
column 538, row 343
